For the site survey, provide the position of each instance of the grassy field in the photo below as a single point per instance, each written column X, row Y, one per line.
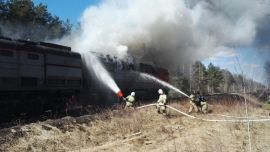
column 143, row 130
column 266, row 106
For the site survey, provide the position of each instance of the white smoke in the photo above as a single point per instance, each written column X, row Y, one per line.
column 121, row 51
column 168, row 31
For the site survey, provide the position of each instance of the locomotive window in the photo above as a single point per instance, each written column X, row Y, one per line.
column 6, row 53
column 32, row 56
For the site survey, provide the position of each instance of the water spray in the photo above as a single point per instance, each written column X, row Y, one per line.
column 152, row 78
column 97, row 69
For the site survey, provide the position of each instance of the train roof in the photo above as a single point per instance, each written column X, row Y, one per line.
column 41, row 47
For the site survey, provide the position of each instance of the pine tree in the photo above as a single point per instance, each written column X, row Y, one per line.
column 21, row 19
column 215, row 78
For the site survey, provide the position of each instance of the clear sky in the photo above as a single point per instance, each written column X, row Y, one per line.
column 67, row 9
column 250, row 60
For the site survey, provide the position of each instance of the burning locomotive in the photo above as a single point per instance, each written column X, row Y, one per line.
column 39, row 76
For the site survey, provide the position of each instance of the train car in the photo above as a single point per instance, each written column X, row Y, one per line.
column 30, row 71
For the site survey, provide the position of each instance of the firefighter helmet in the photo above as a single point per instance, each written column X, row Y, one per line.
column 160, row 91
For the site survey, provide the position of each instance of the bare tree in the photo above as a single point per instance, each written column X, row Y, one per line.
column 267, row 72
column 228, row 81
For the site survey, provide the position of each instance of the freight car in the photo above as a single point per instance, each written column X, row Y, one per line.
column 32, row 71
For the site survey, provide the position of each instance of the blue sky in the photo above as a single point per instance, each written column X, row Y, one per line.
column 67, row 9
column 251, row 60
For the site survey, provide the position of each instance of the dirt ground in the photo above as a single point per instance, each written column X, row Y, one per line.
column 143, row 130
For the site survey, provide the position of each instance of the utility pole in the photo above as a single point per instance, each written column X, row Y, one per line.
column 246, row 106
column 183, row 71
column 199, row 85
column 249, row 136
column 190, row 78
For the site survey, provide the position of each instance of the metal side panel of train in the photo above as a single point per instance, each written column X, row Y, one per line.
column 63, row 71
column 26, row 66
column 36, row 77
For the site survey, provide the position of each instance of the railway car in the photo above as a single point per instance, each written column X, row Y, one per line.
column 30, row 71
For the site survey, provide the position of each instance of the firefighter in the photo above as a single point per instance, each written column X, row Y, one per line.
column 130, row 100
column 161, row 103
column 201, row 103
column 192, row 104
column 197, row 101
column 204, row 105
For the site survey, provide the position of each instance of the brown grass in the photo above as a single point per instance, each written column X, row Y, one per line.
column 141, row 130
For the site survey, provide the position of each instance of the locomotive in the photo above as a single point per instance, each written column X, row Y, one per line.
column 127, row 77
column 36, row 76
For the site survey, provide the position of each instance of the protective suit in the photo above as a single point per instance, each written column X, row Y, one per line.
column 161, row 108
column 192, row 104
column 130, row 100
column 204, row 106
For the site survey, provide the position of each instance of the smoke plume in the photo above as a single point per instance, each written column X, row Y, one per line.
column 170, row 32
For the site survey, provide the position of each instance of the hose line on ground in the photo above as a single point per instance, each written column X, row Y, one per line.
column 244, row 119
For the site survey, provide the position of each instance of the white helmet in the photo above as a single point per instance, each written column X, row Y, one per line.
column 132, row 94
column 160, row 91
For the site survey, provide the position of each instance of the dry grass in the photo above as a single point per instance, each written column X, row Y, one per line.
column 141, row 130
column 266, row 106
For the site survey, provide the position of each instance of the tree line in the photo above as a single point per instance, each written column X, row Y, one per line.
column 21, row 19
column 212, row 79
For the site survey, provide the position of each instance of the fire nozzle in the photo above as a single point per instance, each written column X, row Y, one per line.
column 120, row 94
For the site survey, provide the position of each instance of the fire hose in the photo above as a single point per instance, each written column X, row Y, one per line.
column 240, row 119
